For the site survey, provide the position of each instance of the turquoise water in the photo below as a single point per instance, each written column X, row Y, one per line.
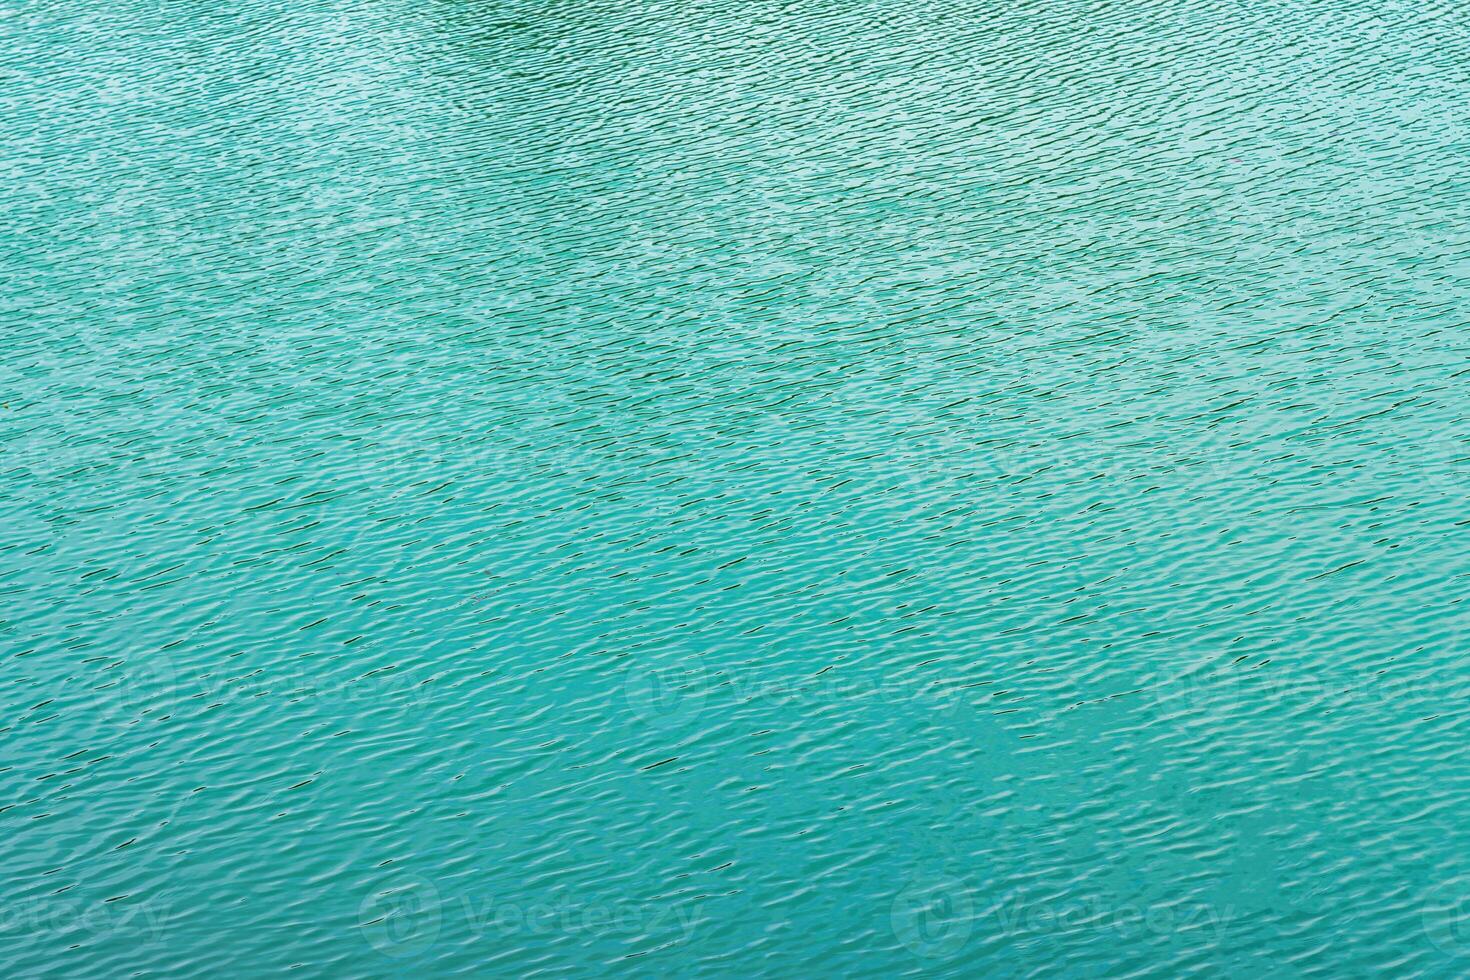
column 704, row 489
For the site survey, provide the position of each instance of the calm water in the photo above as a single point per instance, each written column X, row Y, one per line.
column 721, row 489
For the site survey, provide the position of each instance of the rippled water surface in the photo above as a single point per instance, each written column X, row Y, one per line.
column 709, row 488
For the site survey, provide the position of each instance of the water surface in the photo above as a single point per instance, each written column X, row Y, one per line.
column 706, row 488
